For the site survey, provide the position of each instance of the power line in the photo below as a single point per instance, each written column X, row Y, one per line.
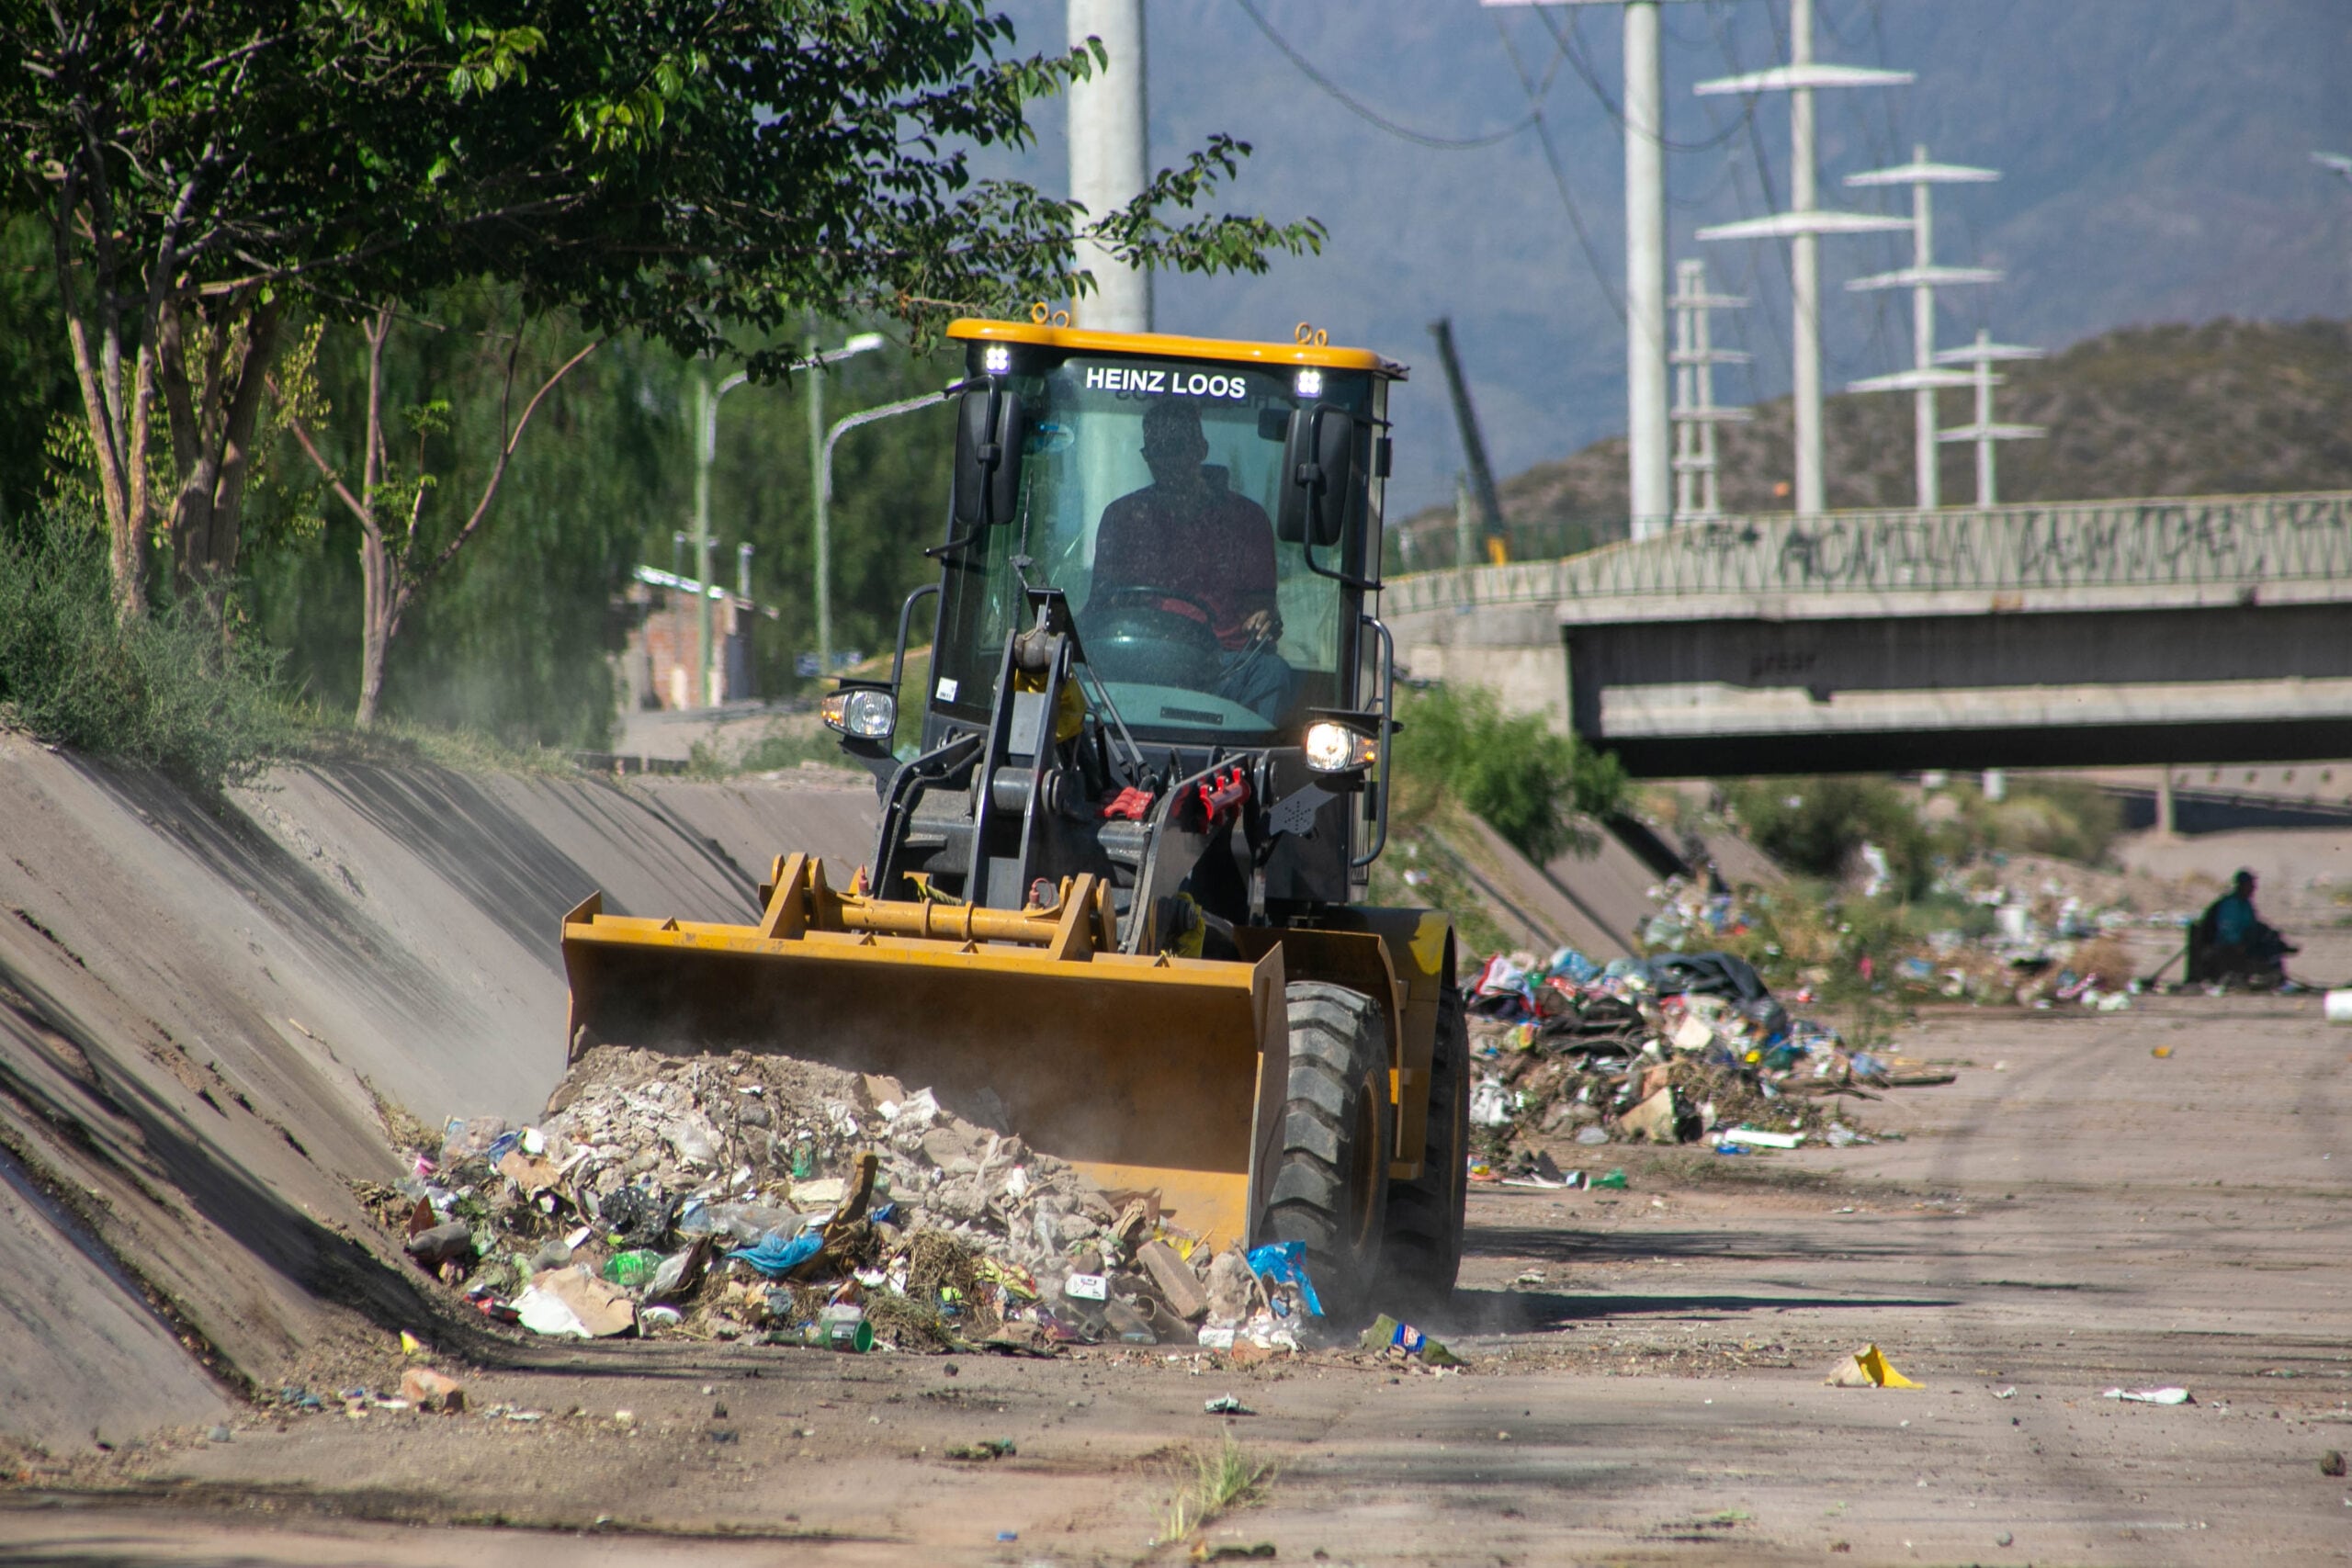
column 1365, row 111
column 1559, row 174
column 1568, row 42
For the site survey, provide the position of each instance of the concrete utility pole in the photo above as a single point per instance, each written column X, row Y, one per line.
column 1984, row 354
column 1645, row 406
column 1649, row 461
column 1923, row 379
column 1804, row 222
column 1109, row 157
column 1696, row 490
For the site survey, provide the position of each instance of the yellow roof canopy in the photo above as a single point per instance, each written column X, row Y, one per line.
column 1225, row 350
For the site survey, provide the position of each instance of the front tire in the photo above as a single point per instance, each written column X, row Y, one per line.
column 1423, row 1252
column 1330, row 1186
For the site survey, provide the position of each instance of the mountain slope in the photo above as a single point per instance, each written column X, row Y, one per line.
column 2227, row 408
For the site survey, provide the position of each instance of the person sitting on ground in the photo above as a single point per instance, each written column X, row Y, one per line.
column 2229, row 942
column 1209, row 552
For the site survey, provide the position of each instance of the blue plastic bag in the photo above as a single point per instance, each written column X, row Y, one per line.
column 1573, row 965
column 774, row 1258
column 1284, row 1262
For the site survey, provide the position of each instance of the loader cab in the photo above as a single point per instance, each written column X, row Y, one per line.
column 1153, row 482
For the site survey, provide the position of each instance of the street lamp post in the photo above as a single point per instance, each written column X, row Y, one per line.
column 816, row 457
column 707, row 400
column 824, row 465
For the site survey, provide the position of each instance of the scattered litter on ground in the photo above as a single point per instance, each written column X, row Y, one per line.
column 2151, row 1396
column 1226, row 1405
column 1669, row 1049
column 1389, row 1336
column 761, row 1197
column 985, row 1449
column 429, row 1390
column 1867, row 1368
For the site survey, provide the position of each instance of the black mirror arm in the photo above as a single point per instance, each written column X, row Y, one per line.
column 1346, row 578
column 898, row 659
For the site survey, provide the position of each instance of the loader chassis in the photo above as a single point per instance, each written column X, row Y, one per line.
column 1116, row 899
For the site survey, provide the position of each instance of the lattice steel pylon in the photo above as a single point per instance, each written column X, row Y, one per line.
column 1697, row 493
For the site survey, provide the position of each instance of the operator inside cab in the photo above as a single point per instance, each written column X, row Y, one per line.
column 1187, row 546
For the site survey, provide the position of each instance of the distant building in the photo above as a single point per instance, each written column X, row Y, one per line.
column 657, row 661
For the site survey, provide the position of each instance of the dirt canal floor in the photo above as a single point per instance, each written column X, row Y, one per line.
column 1643, row 1384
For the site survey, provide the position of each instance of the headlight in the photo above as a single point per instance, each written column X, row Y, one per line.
column 1336, row 749
column 862, row 712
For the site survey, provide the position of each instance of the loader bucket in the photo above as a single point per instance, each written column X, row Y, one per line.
column 1146, row 1073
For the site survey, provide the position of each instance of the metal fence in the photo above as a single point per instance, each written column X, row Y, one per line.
column 2227, row 540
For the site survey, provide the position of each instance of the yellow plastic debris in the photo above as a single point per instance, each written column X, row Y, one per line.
column 1868, row 1368
column 412, row 1345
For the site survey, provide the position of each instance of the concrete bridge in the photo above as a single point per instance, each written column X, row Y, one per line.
column 2170, row 630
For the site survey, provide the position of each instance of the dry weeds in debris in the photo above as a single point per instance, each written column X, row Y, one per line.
column 1218, row 1481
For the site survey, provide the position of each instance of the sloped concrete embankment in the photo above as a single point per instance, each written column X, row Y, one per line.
column 200, row 1005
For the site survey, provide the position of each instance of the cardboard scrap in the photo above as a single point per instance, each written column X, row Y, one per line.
column 529, row 1172
column 429, row 1390
column 576, row 1302
column 1653, row 1119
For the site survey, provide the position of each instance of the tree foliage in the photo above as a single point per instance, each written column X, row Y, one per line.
column 702, row 174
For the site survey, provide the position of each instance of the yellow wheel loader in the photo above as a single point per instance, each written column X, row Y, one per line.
column 1116, row 900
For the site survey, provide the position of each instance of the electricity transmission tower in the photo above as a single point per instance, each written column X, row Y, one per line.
column 1922, row 277
column 1696, row 490
column 1804, row 222
column 1984, row 353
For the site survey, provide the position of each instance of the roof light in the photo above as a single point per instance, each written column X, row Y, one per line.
column 1309, row 384
column 996, row 359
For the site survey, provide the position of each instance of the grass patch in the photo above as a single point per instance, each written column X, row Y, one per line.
column 166, row 691
column 1213, row 1483
column 399, row 742
column 779, row 748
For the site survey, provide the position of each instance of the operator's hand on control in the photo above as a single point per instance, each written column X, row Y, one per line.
column 1264, row 625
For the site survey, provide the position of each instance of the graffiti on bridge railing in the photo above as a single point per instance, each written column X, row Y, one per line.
column 2137, row 544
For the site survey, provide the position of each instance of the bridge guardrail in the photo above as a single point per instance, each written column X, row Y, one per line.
column 2167, row 541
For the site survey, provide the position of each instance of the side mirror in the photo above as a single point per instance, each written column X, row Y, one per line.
column 989, row 426
column 1319, row 469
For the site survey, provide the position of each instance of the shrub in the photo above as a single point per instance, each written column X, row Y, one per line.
column 168, row 691
column 1513, row 769
column 2049, row 816
column 1815, row 826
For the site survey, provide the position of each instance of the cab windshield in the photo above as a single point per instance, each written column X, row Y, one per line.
column 1149, row 489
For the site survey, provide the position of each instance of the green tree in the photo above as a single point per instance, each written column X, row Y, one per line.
column 701, row 174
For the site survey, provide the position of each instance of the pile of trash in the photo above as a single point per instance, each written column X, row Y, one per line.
column 2056, row 938
column 1669, row 1049
column 761, row 1197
